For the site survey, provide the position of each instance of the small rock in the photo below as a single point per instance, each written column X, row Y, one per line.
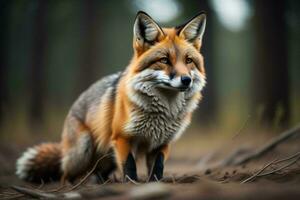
column 150, row 191
column 207, row 172
column 72, row 195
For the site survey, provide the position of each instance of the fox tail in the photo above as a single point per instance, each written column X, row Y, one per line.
column 40, row 163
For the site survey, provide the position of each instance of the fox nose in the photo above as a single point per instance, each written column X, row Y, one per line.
column 186, row 80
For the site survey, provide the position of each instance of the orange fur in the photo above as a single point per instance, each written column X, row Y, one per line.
column 122, row 149
column 166, row 151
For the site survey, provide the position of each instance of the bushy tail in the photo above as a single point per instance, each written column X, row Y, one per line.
column 40, row 163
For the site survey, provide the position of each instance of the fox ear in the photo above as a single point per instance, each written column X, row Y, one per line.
column 146, row 31
column 194, row 29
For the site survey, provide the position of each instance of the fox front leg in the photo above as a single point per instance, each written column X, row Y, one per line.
column 129, row 168
column 125, row 159
column 155, row 163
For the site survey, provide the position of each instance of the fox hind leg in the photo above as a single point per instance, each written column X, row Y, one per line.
column 77, row 159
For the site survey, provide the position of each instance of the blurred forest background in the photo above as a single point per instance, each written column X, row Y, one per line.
column 52, row 50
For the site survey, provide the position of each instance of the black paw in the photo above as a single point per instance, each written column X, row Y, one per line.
column 158, row 168
column 130, row 169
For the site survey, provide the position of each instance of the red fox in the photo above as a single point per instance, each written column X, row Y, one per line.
column 137, row 112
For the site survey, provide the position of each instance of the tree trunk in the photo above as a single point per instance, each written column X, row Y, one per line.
column 270, row 73
column 4, row 20
column 37, row 68
column 208, row 106
column 89, row 49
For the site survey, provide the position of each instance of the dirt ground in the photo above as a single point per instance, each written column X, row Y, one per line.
column 192, row 172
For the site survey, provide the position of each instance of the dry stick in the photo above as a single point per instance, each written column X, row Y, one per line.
column 259, row 173
column 5, row 195
column 13, row 195
column 32, row 193
column 88, row 174
column 114, row 178
column 271, row 145
column 280, row 168
column 17, row 195
column 288, row 158
column 227, row 160
column 55, row 189
column 38, row 187
column 156, row 178
column 131, row 180
column 102, row 184
column 43, row 195
column 173, row 179
column 204, row 162
column 151, row 171
column 242, row 127
column 93, row 186
column 10, row 195
column 231, row 157
column 52, row 190
column 47, row 191
column 42, row 184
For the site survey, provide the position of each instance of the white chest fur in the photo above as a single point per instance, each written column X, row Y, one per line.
column 159, row 115
column 157, row 120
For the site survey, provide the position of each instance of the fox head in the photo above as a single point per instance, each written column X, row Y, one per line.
column 167, row 58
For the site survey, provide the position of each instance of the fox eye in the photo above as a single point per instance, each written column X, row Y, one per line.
column 164, row 60
column 188, row 60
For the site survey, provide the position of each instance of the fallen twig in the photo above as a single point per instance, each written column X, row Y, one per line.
column 226, row 161
column 54, row 190
column 269, row 146
column 204, row 161
column 132, row 181
column 288, row 158
column 234, row 155
column 44, row 195
column 260, row 173
column 242, row 127
column 173, row 179
column 281, row 168
column 12, row 196
column 33, row 193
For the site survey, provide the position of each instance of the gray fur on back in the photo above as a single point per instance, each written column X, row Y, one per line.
column 90, row 99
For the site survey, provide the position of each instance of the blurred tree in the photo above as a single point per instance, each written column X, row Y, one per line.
column 37, row 68
column 89, row 51
column 4, row 23
column 208, row 106
column 270, row 73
